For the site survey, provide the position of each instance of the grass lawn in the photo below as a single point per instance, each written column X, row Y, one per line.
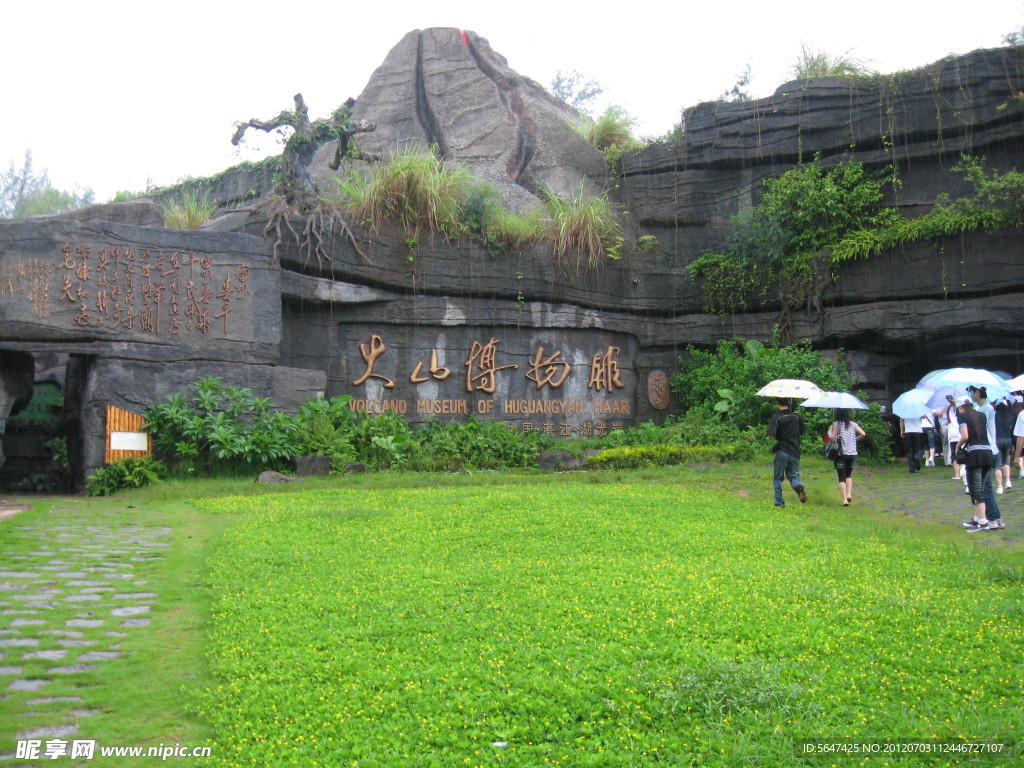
column 611, row 619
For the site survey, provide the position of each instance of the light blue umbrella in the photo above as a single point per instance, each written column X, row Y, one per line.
column 835, row 400
column 912, row 404
column 938, row 398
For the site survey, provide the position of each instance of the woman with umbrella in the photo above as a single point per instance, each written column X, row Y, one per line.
column 847, row 433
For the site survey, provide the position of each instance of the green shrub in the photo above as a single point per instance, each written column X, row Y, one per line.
column 997, row 202
column 324, row 429
column 743, row 367
column 384, row 441
column 626, row 457
column 474, row 444
column 222, row 429
column 190, row 212
column 123, row 474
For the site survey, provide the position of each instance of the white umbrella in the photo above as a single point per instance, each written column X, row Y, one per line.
column 912, row 404
column 961, row 378
column 1016, row 384
column 835, row 400
column 789, row 388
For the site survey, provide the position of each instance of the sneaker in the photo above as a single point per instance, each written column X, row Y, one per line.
column 971, row 523
column 1007, row 485
column 999, row 489
column 778, row 505
column 1021, row 475
column 979, row 527
column 929, row 462
column 801, row 493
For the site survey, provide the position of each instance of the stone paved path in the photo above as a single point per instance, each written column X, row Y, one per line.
column 70, row 592
column 931, row 495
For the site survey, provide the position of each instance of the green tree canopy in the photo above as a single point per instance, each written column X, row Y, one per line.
column 26, row 193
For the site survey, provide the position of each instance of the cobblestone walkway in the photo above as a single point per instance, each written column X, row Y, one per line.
column 932, row 495
column 70, row 592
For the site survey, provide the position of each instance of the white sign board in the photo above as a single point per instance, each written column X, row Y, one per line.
column 129, row 441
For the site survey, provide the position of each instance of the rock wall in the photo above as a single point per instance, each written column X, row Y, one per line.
column 143, row 313
column 448, row 329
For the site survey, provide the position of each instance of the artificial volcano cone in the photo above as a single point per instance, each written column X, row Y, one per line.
column 447, row 87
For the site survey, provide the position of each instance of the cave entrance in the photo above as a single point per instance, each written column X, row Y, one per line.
column 39, row 424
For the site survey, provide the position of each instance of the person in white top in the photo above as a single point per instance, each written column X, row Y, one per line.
column 954, row 438
column 1018, row 433
column 913, row 438
column 941, row 416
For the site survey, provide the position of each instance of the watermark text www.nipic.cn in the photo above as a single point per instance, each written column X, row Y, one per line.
column 36, row 749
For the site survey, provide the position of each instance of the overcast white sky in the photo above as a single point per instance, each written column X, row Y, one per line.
column 110, row 94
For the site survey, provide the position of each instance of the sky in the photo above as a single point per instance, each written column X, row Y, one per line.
column 120, row 95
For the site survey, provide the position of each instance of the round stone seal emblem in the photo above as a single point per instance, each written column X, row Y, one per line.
column 657, row 389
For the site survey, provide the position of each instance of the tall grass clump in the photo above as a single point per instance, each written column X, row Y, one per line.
column 612, row 128
column 811, row 63
column 412, row 188
column 583, row 230
column 512, row 230
column 190, row 212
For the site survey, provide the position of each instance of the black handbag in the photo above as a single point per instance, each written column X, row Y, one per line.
column 834, row 448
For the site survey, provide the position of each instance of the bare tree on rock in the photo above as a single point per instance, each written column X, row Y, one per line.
column 297, row 186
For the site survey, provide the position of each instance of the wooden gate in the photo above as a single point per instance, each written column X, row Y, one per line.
column 125, row 438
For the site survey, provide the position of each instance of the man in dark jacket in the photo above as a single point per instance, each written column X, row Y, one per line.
column 786, row 428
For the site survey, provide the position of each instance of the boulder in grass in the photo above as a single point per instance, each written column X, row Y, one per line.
column 549, row 460
column 306, row 466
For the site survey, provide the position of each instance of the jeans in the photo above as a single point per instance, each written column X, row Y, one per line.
column 991, row 508
column 789, row 467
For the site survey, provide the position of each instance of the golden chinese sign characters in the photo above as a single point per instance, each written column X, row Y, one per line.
column 548, row 370
column 139, row 289
column 483, row 364
column 481, row 368
column 604, row 371
column 437, row 371
column 370, row 354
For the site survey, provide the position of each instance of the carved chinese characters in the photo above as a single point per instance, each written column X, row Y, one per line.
column 658, row 390
column 30, row 279
column 127, row 288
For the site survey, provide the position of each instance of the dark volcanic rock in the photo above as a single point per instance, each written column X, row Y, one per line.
column 920, row 121
column 549, row 460
column 306, row 466
column 141, row 212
